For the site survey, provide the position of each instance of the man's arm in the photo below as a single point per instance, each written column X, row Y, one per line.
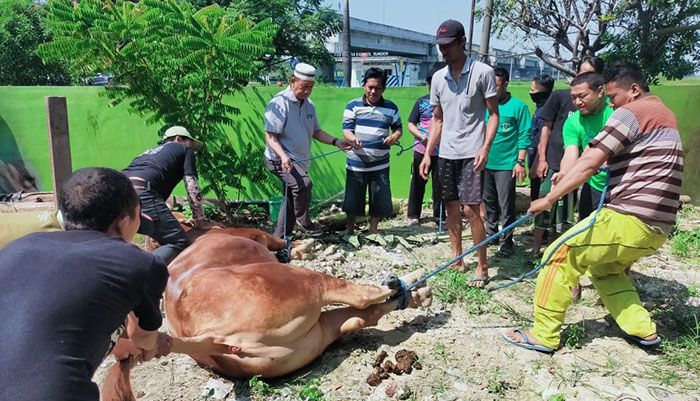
column 194, row 199
column 324, row 137
column 413, row 129
column 545, row 132
column 581, row 171
column 524, row 141
column 489, row 134
column 274, row 144
column 433, row 140
column 567, row 162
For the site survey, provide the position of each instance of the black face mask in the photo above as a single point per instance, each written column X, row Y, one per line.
column 540, row 97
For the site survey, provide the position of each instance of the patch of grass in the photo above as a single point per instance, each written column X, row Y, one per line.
column 496, row 385
column 693, row 290
column 684, row 352
column 686, row 243
column 452, row 287
column 310, row 391
column 259, row 389
column 557, row 397
column 573, row 336
column 440, row 349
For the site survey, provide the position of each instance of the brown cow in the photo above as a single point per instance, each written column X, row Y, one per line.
column 233, row 287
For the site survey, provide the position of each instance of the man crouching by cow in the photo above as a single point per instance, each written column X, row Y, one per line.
column 66, row 295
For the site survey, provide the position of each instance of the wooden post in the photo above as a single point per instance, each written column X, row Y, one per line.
column 59, row 142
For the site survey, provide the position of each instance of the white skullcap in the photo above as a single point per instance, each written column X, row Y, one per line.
column 305, row 72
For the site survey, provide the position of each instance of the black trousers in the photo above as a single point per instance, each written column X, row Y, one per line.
column 417, row 189
column 588, row 202
column 166, row 229
column 499, row 202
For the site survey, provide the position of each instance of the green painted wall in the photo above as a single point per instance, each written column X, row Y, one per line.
column 104, row 136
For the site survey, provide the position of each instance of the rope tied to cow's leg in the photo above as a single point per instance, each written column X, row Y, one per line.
column 402, row 293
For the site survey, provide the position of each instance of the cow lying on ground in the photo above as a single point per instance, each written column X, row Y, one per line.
column 272, row 312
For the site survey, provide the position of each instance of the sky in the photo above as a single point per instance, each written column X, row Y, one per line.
column 417, row 15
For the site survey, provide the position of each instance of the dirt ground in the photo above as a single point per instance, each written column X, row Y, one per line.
column 459, row 345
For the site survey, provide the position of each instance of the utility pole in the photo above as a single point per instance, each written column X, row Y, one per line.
column 347, row 57
column 471, row 29
column 486, row 31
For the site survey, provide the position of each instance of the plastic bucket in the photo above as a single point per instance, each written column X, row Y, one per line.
column 275, row 203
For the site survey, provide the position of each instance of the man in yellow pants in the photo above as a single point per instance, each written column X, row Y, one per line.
column 642, row 146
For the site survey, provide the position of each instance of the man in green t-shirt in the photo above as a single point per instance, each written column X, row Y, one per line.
column 588, row 96
column 506, row 161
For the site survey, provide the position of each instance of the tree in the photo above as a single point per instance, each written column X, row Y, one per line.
column 174, row 65
column 21, row 32
column 660, row 35
column 303, row 27
column 574, row 28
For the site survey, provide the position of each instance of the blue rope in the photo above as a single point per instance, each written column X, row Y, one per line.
column 505, row 230
column 561, row 242
column 468, row 251
column 402, row 149
column 287, row 238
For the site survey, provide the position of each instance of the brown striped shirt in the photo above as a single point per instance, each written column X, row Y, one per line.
column 645, row 157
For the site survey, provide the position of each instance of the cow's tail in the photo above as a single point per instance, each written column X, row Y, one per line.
column 117, row 384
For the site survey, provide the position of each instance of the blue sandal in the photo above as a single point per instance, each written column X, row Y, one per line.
column 528, row 344
column 644, row 343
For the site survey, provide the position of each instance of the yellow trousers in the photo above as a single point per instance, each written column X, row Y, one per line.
column 614, row 242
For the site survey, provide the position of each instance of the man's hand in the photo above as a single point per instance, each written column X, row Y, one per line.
column 542, row 168
column 540, row 205
column 286, row 164
column 424, row 167
column 556, row 177
column 519, row 172
column 125, row 348
column 344, row 145
column 391, row 139
column 480, row 159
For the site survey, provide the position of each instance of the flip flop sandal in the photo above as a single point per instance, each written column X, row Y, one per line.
column 528, row 344
column 644, row 343
column 475, row 280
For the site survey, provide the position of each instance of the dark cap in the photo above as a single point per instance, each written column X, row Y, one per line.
column 449, row 31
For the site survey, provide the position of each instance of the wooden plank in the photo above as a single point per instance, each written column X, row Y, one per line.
column 59, row 142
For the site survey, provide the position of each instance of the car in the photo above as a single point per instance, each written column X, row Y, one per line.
column 100, row 79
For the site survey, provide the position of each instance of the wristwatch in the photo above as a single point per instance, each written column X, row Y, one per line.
column 521, row 162
column 335, row 140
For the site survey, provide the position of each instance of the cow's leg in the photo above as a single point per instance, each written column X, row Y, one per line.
column 361, row 296
column 337, row 322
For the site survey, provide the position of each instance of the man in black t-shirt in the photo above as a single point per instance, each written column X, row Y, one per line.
column 65, row 294
column 419, row 123
column 155, row 173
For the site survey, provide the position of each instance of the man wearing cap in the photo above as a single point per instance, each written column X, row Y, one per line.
column 155, row 173
column 290, row 124
column 461, row 92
